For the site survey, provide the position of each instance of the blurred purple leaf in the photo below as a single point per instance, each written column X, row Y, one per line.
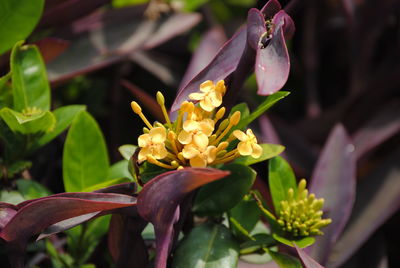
column 51, row 48
column 7, row 211
column 334, row 180
column 381, row 127
column 378, row 198
column 223, row 64
column 125, row 242
column 209, row 45
column 272, row 60
column 307, row 261
column 107, row 37
column 271, row 8
column 159, row 200
column 255, row 27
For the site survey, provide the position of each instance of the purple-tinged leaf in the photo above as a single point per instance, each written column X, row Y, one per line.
column 223, row 64
column 159, row 200
column 35, row 215
column 383, row 126
column 272, row 60
column 51, row 48
column 307, row 261
column 209, row 45
column 7, row 211
column 334, row 180
column 125, row 242
column 271, row 8
column 378, row 198
column 255, row 28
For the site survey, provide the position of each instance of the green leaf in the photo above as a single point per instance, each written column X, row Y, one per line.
column 31, row 189
column 85, row 158
column 301, row 242
column 64, row 117
column 148, row 171
column 28, row 124
column 124, row 3
column 6, row 94
column 17, row 167
column 207, row 246
column 268, row 103
column 259, row 241
column 269, row 151
column 246, row 213
column 281, row 178
column 242, row 108
column 127, row 150
column 12, row 197
column 120, row 170
column 29, row 79
column 105, row 184
column 17, row 20
column 284, row 260
column 224, row 194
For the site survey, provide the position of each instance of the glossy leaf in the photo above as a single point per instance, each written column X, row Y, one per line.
column 127, row 150
column 18, row 20
column 260, row 241
column 307, row 261
column 378, row 198
column 246, row 213
column 208, row 246
column 334, row 180
column 302, row 242
column 223, row 64
column 269, row 151
column 262, row 108
column 280, row 178
column 7, row 211
column 28, row 124
column 222, row 195
column 85, row 158
column 64, row 117
column 284, row 260
column 159, row 199
column 106, row 183
column 30, row 85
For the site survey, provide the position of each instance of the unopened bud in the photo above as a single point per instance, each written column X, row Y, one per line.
column 136, row 107
column 235, row 118
column 160, row 98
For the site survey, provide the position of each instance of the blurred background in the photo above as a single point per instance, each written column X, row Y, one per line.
column 345, row 67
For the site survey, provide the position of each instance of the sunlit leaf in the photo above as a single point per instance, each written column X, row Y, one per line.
column 269, row 151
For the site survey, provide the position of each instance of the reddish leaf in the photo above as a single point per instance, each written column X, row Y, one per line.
column 378, row 198
column 272, row 61
column 271, row 8
column 51, row 48
column 307, row 261
column 223, row 64
column 7, row 211
column 211, row 42
column 159, row 200
column 334, row 180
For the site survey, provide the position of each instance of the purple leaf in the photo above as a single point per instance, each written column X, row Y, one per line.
column 378, row 198
column 125, row 242
column 272, row 60
column 223, row 64
column 307, row 261
column 334, row 180
column 212, row 40
column 383, row 126
column 158, row 202
column 255, row 28
column 51, row 48
column 271, row 8
column 7, row 211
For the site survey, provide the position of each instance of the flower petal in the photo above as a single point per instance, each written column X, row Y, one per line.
column 201, row 140
column 257, row 150
column 159, row 151
column 206, row 104
column 211, row 153
column 144, row 140
column 244, row 148
column 189, row 152
column 198, row 161
column 207, row 126
column 196, row 96
column 206, row 86
column 158, row 134
column 185, row 137
column 240, row 135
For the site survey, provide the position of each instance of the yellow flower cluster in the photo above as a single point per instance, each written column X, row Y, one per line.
column 198, row 137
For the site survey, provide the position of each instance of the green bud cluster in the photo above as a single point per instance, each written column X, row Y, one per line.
column 300, row 215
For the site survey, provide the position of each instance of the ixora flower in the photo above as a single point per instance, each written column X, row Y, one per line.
column 199, row 137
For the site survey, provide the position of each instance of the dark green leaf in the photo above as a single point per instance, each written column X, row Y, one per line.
column 31, row 189
column 29, row 78
column 148, row 171
column 85, row 158
column 268, row 103
column 18, row 19
column 280, row 178
column 284, row 260
column 300, row 242
column 260, row 241
column 242, row 108
column 207, row 246
column 222, row 195
column 6, row 95
column 127, row 150
column 120, row 170
column 269, row 151
column 28, row 124
column 246, row 213
column 17, row 167
column 64, row 117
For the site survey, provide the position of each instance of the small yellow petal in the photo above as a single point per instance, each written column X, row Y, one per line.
column 244, row 148
column 158, row 134
column 189, row 151
column 257, row 150
column 220, row 87
column 144, row 140
column 206, row 104
column 207, row 126
column 198, row 162
column 201, row 140
column 206, row 86
column 240, row 135
column 159, row 151
column 196, row 96
column 185, row 137
column 211, row 153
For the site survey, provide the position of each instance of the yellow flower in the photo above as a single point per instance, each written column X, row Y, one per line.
column 210, row 96
column 199, row 157
column 153, row 144
column 248, row 143
column 196, row 132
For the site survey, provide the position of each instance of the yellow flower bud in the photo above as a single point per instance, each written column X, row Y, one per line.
column 136, row 107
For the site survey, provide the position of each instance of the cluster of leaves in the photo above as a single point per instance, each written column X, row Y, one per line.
column 167, row 201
